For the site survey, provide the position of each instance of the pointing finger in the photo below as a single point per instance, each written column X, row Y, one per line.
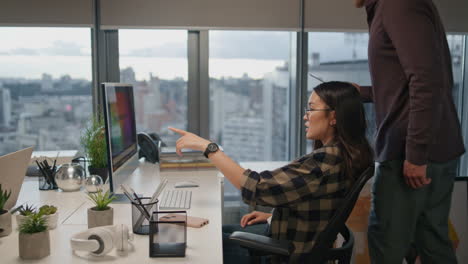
column 178, row 131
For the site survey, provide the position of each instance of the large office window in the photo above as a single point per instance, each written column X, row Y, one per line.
column 155, row 62
column 249, row 88
column 343, row 57
column 45, row 87
column 249, row 95
column 339, row 56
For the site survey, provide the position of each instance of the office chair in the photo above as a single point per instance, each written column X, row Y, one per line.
column 323, row 250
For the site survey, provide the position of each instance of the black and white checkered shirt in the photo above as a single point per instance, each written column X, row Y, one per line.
column 304, row 195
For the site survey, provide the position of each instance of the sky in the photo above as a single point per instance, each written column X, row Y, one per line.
column 29, row 52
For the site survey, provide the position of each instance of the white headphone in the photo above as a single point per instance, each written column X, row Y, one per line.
column 100, row 240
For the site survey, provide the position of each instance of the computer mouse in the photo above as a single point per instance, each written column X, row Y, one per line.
column 185, row 184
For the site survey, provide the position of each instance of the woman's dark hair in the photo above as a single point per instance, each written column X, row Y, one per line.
column 350, row 132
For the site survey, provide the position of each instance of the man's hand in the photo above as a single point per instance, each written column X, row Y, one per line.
column 415, row 175
column 254, row 217
column 189, row 141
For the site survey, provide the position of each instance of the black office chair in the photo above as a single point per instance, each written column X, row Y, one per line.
column 323, row 250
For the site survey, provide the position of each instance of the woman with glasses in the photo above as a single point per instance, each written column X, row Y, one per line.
column 306, row 192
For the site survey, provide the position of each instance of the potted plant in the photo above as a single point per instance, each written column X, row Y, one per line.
column 23, row 212
column 5, row 216
column 94, row 144
column 34, row 239
column 50, row 215
column 49, row 212
column 101, row 214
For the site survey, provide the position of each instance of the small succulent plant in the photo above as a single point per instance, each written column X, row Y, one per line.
column 4, row 195
column 47, row 210
column 27, row 209
column 34, row 223
column 101, row 200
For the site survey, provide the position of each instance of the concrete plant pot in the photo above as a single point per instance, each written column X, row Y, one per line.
column 5, row 223
column 34, row 246
column 100, row 218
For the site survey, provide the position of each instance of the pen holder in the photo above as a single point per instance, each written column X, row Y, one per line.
column 140, row 223
column 168, row 234
column 47, row 182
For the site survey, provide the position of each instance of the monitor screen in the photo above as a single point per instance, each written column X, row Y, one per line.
column 122, row 128
column 121, row 136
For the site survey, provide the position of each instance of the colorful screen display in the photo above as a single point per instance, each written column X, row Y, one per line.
column 122, row 128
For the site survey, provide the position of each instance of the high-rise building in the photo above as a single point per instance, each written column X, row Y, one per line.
column 275, row 114
column 243, row 138
column 5, row 107
column 127, row 75
column 47, row 83
column 65, row 83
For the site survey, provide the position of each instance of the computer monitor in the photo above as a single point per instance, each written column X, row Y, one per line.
column 121, row 136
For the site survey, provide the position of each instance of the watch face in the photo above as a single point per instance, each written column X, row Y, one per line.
column 212, row 147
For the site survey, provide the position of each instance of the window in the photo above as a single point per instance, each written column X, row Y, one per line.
column 456, row 46
column 45, row 87
column 249, row 91
column 343, row 57
column 339, row 56
column 155, row 62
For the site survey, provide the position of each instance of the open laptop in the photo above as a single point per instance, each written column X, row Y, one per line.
column 12, row 170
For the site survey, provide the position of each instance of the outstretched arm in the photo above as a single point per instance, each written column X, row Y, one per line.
column 231, row 170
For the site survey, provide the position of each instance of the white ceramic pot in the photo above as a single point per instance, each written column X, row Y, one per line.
column 19, row 219
column 100, row 218
column 5, row 223
column 52, row 220
column 34, row 246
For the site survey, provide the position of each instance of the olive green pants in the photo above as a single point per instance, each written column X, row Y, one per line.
column 401, row 215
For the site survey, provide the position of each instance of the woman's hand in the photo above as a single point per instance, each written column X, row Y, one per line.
column 189, row 141
column 254, row 217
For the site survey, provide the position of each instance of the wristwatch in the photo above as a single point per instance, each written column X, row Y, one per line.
column 211, row 148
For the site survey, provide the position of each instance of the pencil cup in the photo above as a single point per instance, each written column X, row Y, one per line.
column 46, row 183
column 141, row 213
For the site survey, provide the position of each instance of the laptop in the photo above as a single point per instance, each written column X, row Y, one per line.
column 12, row 170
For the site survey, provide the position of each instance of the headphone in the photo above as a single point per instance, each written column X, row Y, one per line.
column 100, row 240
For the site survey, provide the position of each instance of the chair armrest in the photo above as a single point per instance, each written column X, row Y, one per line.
column 346, row 247
column 262, row 245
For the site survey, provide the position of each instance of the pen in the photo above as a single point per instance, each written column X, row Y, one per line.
column 44, row 174
column 55, row 161
column 144, row 208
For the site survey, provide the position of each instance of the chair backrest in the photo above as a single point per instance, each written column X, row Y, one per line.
column 326, row 238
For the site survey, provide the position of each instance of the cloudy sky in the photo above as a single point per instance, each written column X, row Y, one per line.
column 58, row 51
column 171, row 43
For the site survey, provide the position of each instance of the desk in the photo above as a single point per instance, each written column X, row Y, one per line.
column 204, row 245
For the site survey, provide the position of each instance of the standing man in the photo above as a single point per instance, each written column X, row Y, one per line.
column 418, row 136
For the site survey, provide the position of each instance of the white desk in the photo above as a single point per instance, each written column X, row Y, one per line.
column 204, row 245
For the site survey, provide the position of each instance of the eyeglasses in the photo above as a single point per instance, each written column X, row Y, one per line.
column 306, row 110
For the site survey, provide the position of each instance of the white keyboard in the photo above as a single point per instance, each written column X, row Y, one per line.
column 175, row 199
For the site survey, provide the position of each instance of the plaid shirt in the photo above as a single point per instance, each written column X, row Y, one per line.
column 304, row 194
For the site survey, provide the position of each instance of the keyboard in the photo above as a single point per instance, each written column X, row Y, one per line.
column 175, row 200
